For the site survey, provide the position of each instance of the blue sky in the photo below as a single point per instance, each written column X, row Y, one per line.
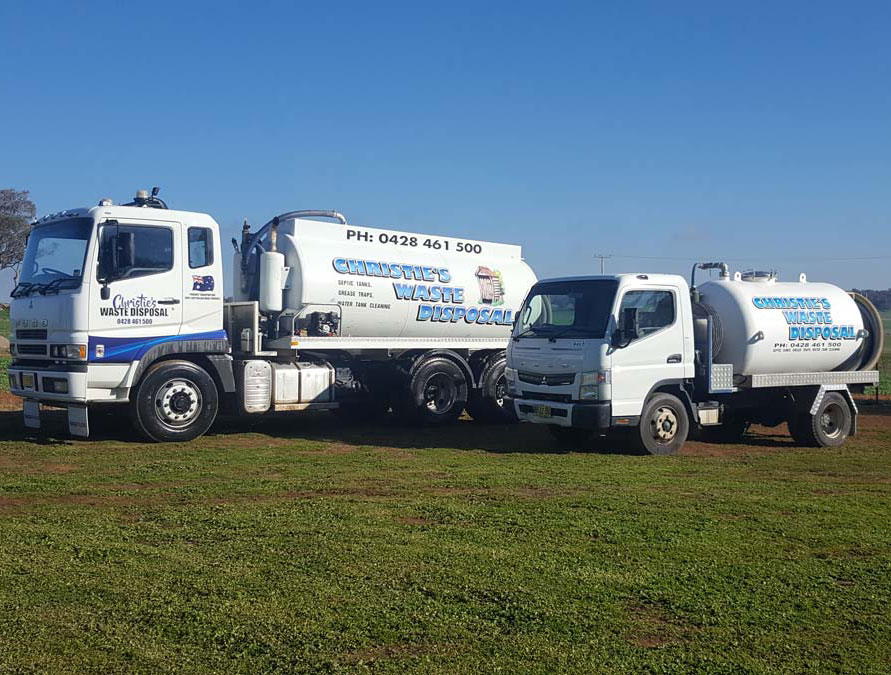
column 754, row 131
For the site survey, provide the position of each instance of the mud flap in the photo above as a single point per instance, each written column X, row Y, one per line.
column 31, row 413
column 843, row 388
column 78, row 421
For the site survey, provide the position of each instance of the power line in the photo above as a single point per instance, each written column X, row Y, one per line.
column 752, row 257
column 602, row 259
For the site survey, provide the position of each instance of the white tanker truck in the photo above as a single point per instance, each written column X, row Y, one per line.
column 666, row 361
column 123, row 305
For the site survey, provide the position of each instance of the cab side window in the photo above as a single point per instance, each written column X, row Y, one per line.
column 655, row 310
column 136, row 250
column 200, row 247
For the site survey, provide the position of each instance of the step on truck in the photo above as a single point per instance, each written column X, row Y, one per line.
column 654, row 361
column 122, row 306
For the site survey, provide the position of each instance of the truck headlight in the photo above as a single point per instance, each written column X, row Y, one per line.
column 510, row 376
column 74, row 352
column 591, row 381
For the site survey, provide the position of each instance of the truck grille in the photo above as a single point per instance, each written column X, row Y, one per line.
column 541, row 396
column 31, row 334
column 30, row 350
column 555, row 380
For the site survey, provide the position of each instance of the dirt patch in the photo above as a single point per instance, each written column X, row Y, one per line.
column 61, row 468
column 398, row 651
column 408, row 520
column 332, row 449
column 654, row 627
column 323, row 493
column 22, row 503
column 15, row 466
column 9, row 402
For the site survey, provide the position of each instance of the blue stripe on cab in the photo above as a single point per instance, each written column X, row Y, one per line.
column 126, row 349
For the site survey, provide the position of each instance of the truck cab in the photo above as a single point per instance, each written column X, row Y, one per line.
column 104, row 292
column 588, row 352
column 665, row 360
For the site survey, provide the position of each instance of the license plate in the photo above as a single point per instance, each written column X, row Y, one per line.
column 543, row 410
column 27, row 381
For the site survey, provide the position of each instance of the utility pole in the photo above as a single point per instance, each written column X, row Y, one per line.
column 602, row 259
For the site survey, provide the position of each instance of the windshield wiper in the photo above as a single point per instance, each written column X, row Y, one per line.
column 534, row 329
column 20, row 289
column 523, row 332
column 53, row 285
column 554, row 336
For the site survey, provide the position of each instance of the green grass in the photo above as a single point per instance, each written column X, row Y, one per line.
column 306, row 546
column 4, row 380
column 5, row 328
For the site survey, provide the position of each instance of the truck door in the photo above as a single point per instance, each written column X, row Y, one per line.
column 655, row 356
column 202, row 281
column 144, row 303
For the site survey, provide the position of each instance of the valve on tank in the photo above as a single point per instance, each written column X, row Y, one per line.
column 323, row 324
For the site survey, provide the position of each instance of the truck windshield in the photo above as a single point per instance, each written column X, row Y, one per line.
column 55, row 256
column 572, row 308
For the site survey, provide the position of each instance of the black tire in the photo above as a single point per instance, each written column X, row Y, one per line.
column 436, row 393
column 487, row 404
column 664, row 426
column 828, row 428
column 175, row 401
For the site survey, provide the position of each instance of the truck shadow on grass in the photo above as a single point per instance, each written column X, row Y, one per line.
column 388, row 432
column 319, row 427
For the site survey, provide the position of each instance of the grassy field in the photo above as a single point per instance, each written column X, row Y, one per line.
column 300, row 545
column 4, row 322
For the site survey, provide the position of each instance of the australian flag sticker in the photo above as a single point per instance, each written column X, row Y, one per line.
column 200, row 283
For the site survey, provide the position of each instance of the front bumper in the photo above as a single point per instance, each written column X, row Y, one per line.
column 596, row 415
column 48, row 386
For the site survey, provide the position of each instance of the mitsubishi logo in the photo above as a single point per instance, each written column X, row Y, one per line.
column 544, row 379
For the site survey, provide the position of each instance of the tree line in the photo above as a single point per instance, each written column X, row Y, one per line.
column 881, row 299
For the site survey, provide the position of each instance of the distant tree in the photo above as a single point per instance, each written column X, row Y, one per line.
column 16, row 213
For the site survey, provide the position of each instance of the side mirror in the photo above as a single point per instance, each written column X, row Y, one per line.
column 621, row 338
column 628, row 331
column 107, row 266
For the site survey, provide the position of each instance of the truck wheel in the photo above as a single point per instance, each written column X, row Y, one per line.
column 437, row 393
column 828, row 428
column 663, row 427
column 487, row 404
column 175, row 401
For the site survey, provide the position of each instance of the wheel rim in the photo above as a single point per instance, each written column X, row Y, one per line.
column 664, row 425
column 831, row 420
column 500, row 391
column 440, row 393
column 178, row 402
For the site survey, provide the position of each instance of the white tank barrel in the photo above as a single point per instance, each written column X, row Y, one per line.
column 382, row 283
column 763, row 326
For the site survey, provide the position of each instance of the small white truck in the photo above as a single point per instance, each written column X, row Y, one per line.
column 123, row 305
column 665, row 360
